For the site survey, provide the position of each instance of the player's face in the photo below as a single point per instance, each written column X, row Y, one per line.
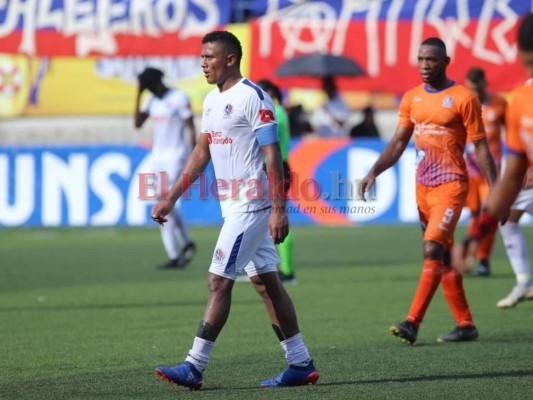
column 432, row 63
column 214, row 62
column 527, row 60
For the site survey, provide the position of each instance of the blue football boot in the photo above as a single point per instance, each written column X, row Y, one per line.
column 184, row 374
column 294, row 376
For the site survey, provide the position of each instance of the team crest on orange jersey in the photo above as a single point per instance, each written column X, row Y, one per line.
column 447, row 102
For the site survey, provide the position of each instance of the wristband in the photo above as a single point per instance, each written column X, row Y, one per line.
column 486, row 225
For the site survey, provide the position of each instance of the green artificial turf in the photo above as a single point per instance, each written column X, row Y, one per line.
column 84, row 314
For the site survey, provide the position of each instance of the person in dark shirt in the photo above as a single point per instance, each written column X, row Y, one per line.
column 367, row 127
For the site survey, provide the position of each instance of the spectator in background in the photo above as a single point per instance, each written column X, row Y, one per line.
column 329, row 120
column 171, row 113
column 286, row 270
column 367, row 127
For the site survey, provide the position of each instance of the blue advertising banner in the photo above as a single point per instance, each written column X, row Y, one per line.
column 85, row 186
column 114, row 185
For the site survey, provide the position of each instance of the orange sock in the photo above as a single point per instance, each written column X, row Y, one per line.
column 427, row 285
column 485, row 246
column 452, row 286
column 472, row 225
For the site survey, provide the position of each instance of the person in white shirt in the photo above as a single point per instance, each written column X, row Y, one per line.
column 329, row 120
column 171, row 114
column 239, row 134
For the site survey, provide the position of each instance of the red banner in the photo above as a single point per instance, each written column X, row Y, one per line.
column 55, row 44
column 110, row 28
column 387, row 50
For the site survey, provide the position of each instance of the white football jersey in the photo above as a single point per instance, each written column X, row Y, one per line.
column 230, row 120
column 168, row 115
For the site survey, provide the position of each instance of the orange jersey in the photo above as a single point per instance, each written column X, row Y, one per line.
column 493, row 114
column 519, row 135
column 442, row 121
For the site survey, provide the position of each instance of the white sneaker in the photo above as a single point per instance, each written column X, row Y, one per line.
column 518, row 294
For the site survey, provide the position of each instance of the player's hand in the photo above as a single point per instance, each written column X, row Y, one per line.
column 278, row 225
column 364, row 186
column 505, row 216
column 160, row 210
column 464, row 256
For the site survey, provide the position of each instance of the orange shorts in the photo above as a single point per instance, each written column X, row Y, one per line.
column 439, row 209
column 478, row 191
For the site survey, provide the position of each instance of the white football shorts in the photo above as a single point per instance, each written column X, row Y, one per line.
column 244, row 243
column 524, row 201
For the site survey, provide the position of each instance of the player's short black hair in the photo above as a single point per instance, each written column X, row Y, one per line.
column 525, row 33
column 435, row 41
column 228, row 39
column 150, row 76
column 476, row 75
column 369, row 110
column 268, row 86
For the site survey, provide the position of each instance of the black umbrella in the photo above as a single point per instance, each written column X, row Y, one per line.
column 319, row 65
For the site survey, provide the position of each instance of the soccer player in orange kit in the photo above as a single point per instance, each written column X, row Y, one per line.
column 493, row 108
column 519, row 142
column 441, row 114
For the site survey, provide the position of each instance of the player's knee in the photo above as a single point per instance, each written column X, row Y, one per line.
column 218, row 284
column 259, row 286
column 433, row 250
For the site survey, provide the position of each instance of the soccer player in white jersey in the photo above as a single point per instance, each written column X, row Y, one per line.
column 516, row 247
column 171, row 114
column 238, row 134
column 510, row 198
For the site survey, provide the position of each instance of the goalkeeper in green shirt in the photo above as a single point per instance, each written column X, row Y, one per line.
column 286, row 272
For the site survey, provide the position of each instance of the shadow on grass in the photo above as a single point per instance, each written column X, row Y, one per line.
column 141, row 384
column 488, row 375
column 433, row 378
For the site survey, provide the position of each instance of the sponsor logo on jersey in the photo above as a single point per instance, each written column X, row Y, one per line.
column 526, row 122
column 266, row 115
column 447, row 102
column 219, row 256
column 218, row 138
column 430, row 129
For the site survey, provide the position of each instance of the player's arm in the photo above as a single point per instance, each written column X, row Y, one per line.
column 279, row 222
column 387, row 159
column 504, row 193
column 139, row 117
column 191, row 131
column 195, row 165
column 497, row 208
column 485, row 160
